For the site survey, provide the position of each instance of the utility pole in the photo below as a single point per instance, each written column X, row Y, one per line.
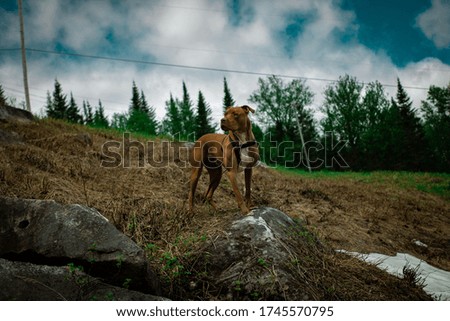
column 299, row 125
column 24, row 59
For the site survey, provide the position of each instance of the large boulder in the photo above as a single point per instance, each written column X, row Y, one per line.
column 8, row 113
column 48, row 233
column 260, row 257
column 26, row 281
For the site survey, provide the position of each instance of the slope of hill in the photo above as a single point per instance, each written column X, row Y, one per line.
column 47, row 159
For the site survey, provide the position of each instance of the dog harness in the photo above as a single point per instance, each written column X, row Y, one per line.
column 237, row 146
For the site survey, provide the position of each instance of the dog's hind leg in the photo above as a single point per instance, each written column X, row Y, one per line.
column 215, row 175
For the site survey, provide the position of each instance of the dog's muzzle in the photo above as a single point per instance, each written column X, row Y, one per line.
column 223, row 124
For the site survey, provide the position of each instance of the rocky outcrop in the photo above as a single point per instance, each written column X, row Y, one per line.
column 8, row 113
column 47, row 233
column 259, row 257
column 26, row 281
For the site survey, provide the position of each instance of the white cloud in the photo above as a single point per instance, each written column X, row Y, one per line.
column 435, row 23
column 197, row 33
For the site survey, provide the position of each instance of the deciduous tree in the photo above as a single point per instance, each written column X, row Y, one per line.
column 279, row 105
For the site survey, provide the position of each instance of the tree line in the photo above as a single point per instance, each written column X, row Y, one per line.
column 361, row 127
column 183, row 120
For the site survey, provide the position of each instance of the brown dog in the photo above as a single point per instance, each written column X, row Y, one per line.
column 234, row 152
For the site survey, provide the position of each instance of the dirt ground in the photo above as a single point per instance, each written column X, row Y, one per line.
column 47, row 159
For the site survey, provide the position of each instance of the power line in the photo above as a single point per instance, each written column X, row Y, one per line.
column 146, row 62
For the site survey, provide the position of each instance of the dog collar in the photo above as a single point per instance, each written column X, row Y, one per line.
column 237, row 144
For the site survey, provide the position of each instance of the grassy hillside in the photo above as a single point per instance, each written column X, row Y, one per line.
column 364, row 212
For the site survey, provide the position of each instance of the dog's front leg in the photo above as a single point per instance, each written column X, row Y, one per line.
column 240, row 200
column 248, row 187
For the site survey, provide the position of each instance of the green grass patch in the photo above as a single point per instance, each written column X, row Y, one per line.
column 433, row 183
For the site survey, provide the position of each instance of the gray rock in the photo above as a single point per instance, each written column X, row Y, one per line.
column 45, row 232
column 25, row 281
column 257, row 258
column 8, row 113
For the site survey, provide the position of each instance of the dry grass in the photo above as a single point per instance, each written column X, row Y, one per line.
column 53, row 160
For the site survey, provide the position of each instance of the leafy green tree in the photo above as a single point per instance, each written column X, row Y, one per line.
column 100, row 119
column 187, row 115
column 280, row 103
column 343, row 109
column 280, row 107
column 375, row 133
column 227, row 97
column 73, row 112
column 436, row 111
column 345, row 117
column 119, row 121
column 171, row 124
column 203, row 117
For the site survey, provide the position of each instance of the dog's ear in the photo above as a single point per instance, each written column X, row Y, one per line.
column 248, row 109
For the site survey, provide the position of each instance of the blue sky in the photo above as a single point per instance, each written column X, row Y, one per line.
column 316, row 40
column 392, row 26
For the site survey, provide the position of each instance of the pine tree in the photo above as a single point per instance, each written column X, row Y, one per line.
column 203, row 117
column 151, row 115
column 409, row 145
column 187, row 116
column 2, row 97
column 135, row 98
column 59, row 106
column 171, row 124
column 73, row 113
column 49, row 106
column 143, row 104
column 153, row 122
column 100, row 119
column 141, row 117
column 87, row 112
column 227, row 97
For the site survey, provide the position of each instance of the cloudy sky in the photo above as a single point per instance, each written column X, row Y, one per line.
column 159, row 44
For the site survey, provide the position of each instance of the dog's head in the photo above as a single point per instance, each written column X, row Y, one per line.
column 236, row 119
